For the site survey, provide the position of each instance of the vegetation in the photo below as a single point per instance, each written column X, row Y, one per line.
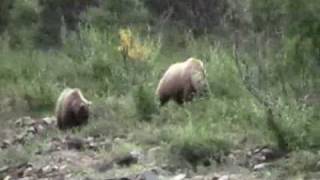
column 262, row 59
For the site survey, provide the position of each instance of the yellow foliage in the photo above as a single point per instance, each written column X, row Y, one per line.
column 132, row 47
column 126, row 39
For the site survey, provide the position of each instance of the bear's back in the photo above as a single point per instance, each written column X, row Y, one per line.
column 194, row 64
column 171, row 78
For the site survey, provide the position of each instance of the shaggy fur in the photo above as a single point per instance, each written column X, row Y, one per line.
column 182, row 81
column 72, row 109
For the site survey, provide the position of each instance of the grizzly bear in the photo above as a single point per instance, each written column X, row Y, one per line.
column 182, row 81
column 72, row 109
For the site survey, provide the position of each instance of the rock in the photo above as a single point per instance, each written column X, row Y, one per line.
column 266, row 153
column 215, row 177
column 20, row 137
column 261, row 166
column 18, row 122
column 199, row 178
column 28, row 172
column 169, row 168
column 55, row 168
column 29, row 136
column 179, row 177
column 31, row 129
column 93, row 145
column 46, row 169
column 74, row 143
column 224, row 177
column 25, row 121
column 153, row 153
column 49, row 169
column 54, row 145
column 4, row 169
column 221, row 177
column 27, row 178
column 137, row 154
column 126, row 160
column 106, row 144
column 7, row 178
column 39, row 128
column 148, row 175
column 104, row 166
column 49, row 120
column 5, row 143
column 16, row 171
column 90, row 139
column 118, row 140
column 63, row 167
column 161, row 171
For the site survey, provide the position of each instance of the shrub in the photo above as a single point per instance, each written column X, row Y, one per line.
column 145, row 102
column 299, row 123
column 196, row 138
column 39, row 94
column 94, row 51
column 132, row 47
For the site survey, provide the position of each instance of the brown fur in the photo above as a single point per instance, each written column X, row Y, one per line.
column 182, row 81
column 72, row 109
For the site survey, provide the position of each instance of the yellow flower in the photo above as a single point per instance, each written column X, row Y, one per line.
column 132, row 47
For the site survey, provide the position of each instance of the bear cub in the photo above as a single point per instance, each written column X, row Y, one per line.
column 72, row 109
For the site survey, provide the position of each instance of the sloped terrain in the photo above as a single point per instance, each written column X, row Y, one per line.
column 69, row 155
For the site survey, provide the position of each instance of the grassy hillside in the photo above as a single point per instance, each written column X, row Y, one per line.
column 118, row 68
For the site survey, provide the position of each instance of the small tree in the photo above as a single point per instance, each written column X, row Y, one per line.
column 136, row 53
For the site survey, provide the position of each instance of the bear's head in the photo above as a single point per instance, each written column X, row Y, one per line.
column 83, row 111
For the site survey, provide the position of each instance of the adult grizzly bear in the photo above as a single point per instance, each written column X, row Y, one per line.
column 182, row 81
column 72, row 109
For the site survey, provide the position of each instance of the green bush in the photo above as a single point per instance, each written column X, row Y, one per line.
column 299, row 124
column 145, row 102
